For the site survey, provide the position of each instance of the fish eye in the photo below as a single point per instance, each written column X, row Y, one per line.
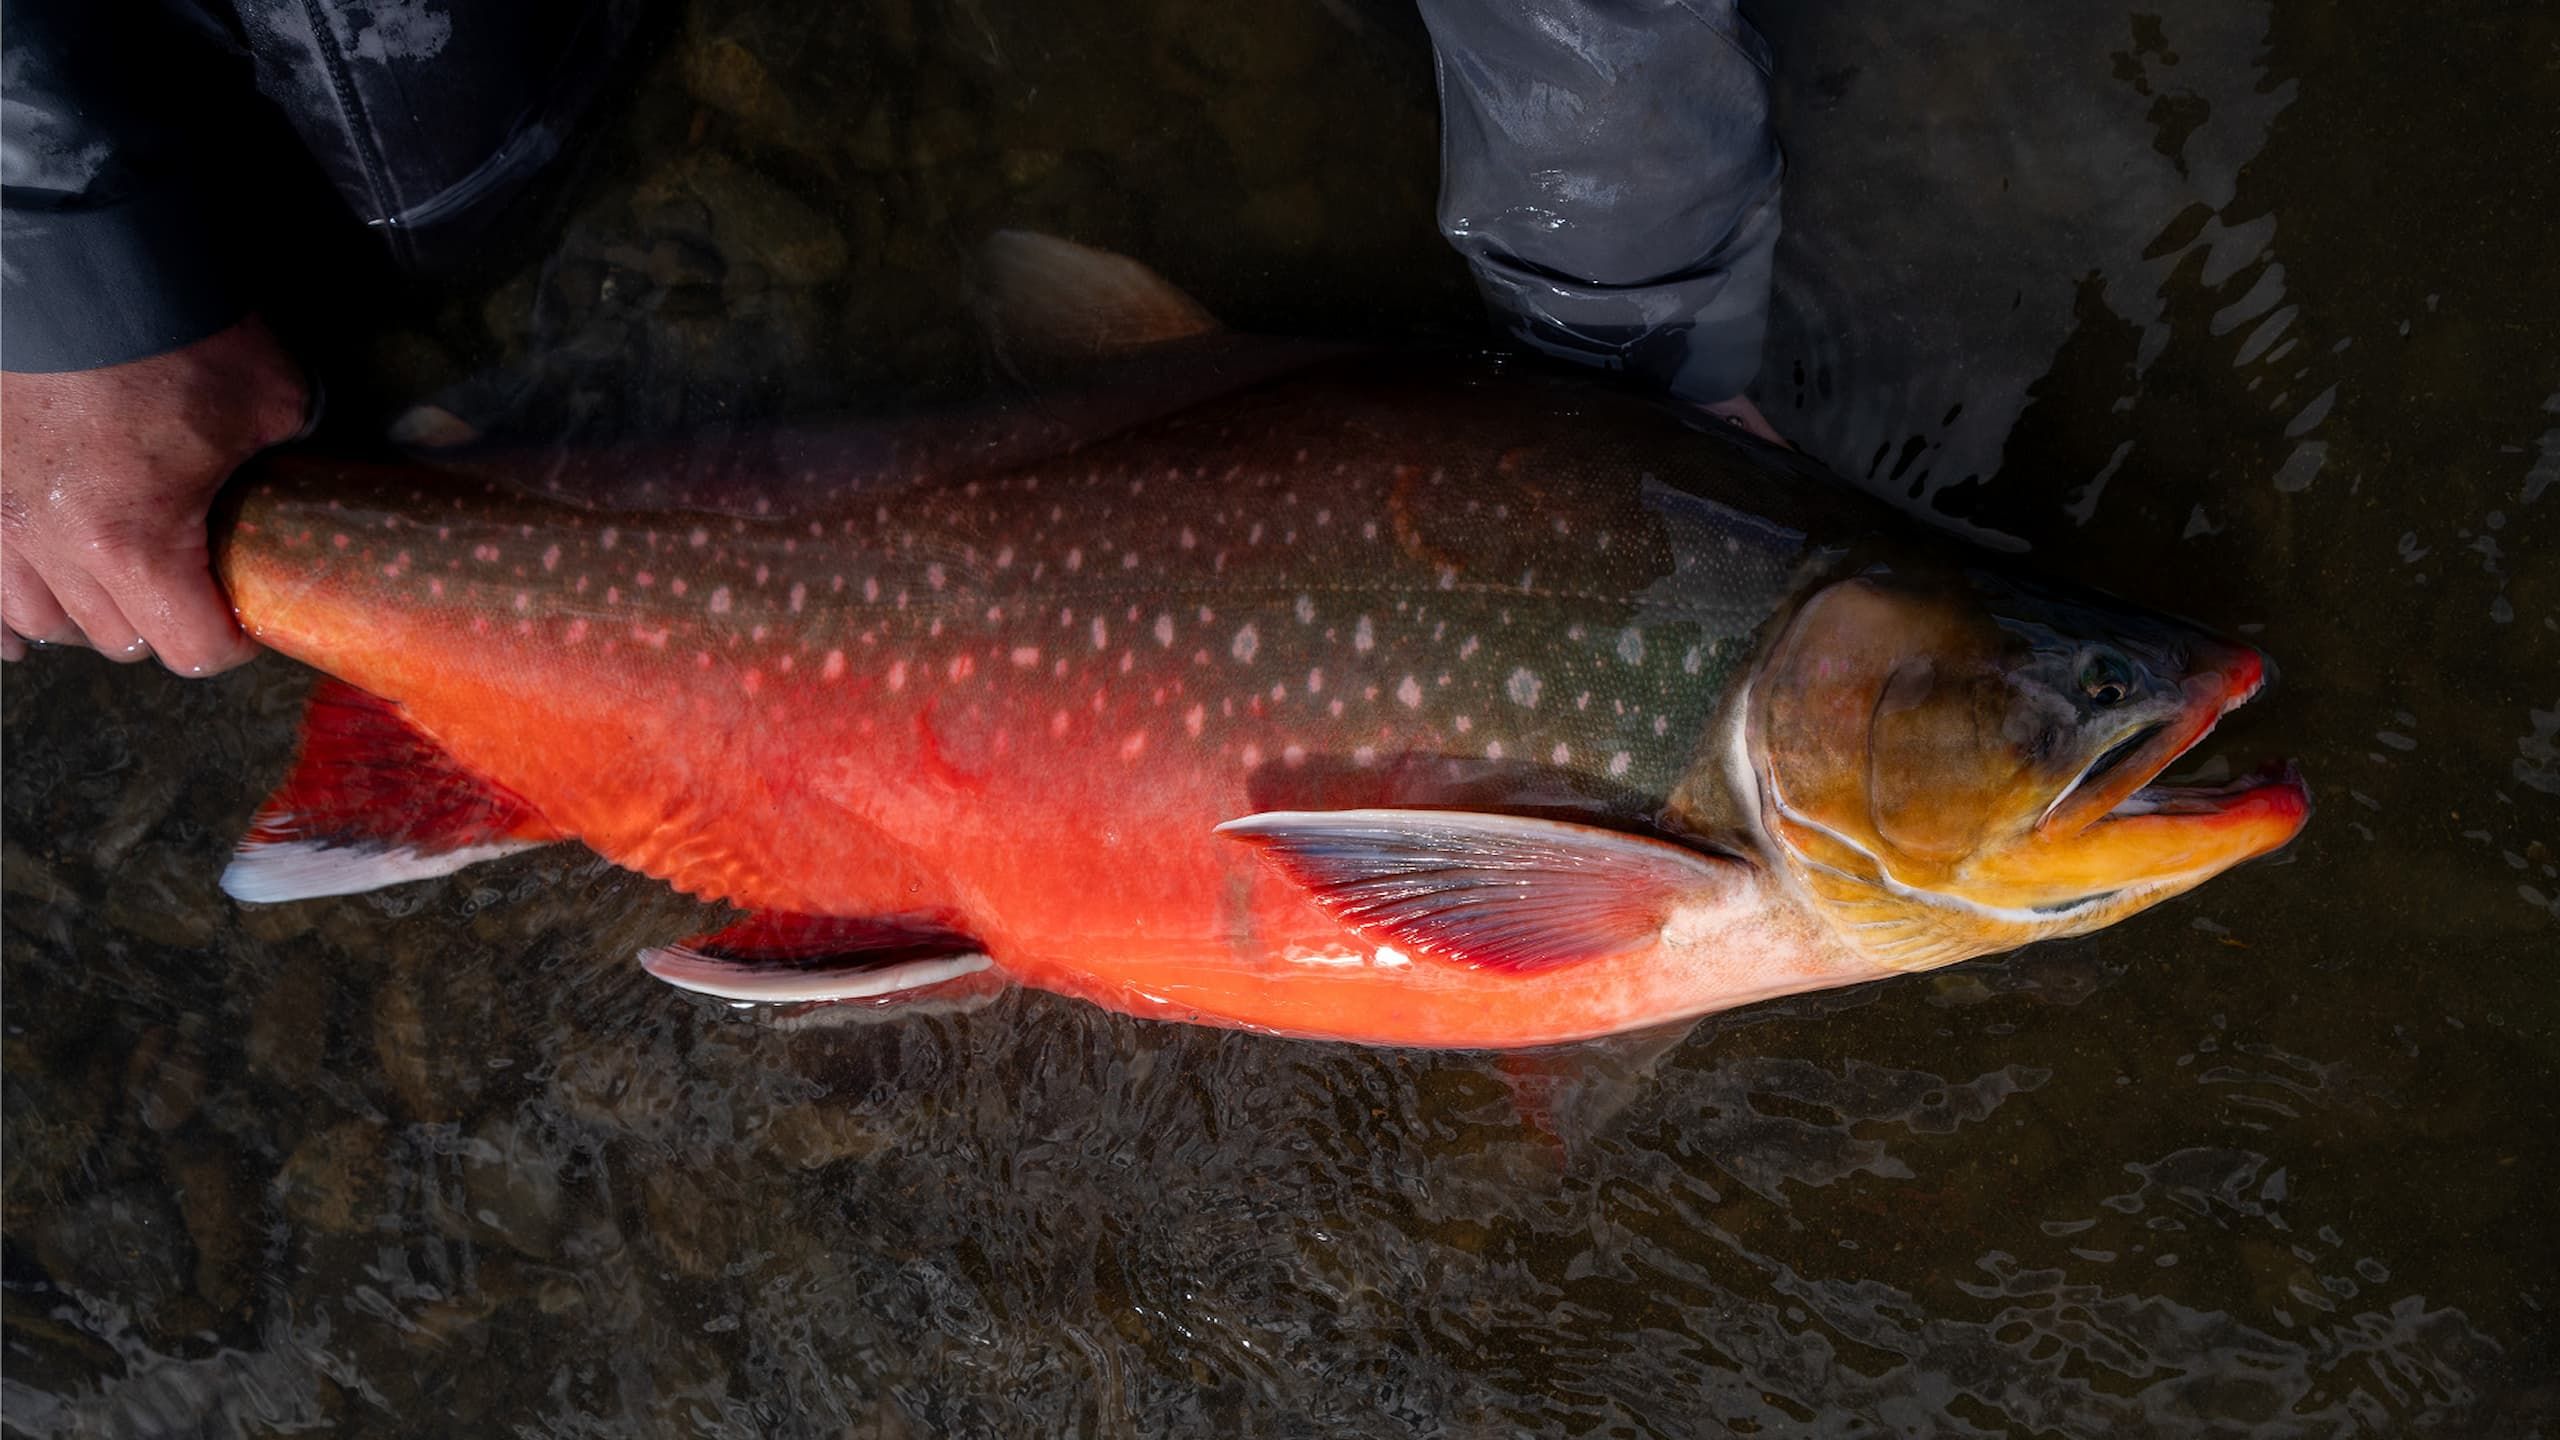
column 2106, row 678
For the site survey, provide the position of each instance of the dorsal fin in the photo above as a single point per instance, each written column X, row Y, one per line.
column 1044, row 297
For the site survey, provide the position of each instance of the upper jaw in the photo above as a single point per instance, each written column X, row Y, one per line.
column 2111, row 788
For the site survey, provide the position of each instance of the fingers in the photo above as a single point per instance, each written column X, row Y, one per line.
column 102, row 622
column 28, row 610
column 1741, row 414
column 171, row 599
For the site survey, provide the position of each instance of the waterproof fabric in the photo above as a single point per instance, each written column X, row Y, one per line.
column 129, row 132
column 1609, row 169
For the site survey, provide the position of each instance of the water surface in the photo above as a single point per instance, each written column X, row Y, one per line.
column 2245, row 309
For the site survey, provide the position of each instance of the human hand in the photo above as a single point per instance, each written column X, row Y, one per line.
column 105, row 480
column 1741, row 414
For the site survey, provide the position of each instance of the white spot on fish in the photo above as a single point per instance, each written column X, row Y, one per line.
column 935, row 576
column 1026, row 655
column 799, row 597
column 699, row 538
column 1075, row 559
column 1631, row 645
column 1247, row 641
column 1493, row 750
column 1562, row 754
column 1410, row 692
column 1315, row 682
column 1365, row 756
column 897, row 673
column 1690, row 662
column 1194, row 718
column 1294, row 756
column 1468, row 650
column 1523, row 687
column 720, row 601
column 1364, row 636
column 524, row 603
column 1134, row 746
column 1306, row 610
column 551, row 559
column 1164, row 631
column 1101, row 633
column 1619, row 763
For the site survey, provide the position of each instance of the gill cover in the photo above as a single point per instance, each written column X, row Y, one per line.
column 1958, row 763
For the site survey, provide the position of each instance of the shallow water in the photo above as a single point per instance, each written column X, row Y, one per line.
column 2245, row 309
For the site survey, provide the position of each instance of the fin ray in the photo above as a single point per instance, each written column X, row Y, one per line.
column 1488, row 891
column 371, row 801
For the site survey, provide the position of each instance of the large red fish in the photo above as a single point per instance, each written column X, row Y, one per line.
column 1379, row 700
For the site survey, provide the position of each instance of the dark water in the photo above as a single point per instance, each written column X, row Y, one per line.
column 2249, row 309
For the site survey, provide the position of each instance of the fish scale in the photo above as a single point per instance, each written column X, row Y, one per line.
column 1381, row 699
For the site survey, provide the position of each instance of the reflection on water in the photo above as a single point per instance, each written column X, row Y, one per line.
column 2238, row 308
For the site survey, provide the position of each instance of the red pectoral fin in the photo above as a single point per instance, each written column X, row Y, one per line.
column 371, row 802
column 1492, row 892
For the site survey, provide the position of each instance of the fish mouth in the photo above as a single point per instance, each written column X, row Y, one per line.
column 2120, row 785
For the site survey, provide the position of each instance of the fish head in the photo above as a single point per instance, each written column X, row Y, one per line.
column 1956, row 762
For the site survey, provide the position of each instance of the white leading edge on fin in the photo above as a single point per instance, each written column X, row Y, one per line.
column 269, row 873
column 783, row 983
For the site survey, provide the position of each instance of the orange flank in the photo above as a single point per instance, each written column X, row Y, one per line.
column 1375, row 702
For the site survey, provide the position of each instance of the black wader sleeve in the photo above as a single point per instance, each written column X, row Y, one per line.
column 108, row 252
column 1609, row 169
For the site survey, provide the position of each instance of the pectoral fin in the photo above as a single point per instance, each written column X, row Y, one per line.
column 1491, row 892
column 797, row 959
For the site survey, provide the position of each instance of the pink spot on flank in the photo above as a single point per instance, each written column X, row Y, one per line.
column 551, row 559
column 435, row 587
column 340, row 540
column 799, row 595
column 962, row 667
column 701, row 659
column 833, row 667
column 524, row 602
column 752, row 681
column 576, row 632
column 1058, row 723
column 479, row 624
column 1026, row 655
column 719, row 599
column 644, row 579
column 1134, row 746
column 678, row 586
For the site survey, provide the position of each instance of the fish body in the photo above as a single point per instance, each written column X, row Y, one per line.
column 1497, row 684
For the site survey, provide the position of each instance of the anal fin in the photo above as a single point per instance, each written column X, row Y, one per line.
column 804, row 959
column 372, row 802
